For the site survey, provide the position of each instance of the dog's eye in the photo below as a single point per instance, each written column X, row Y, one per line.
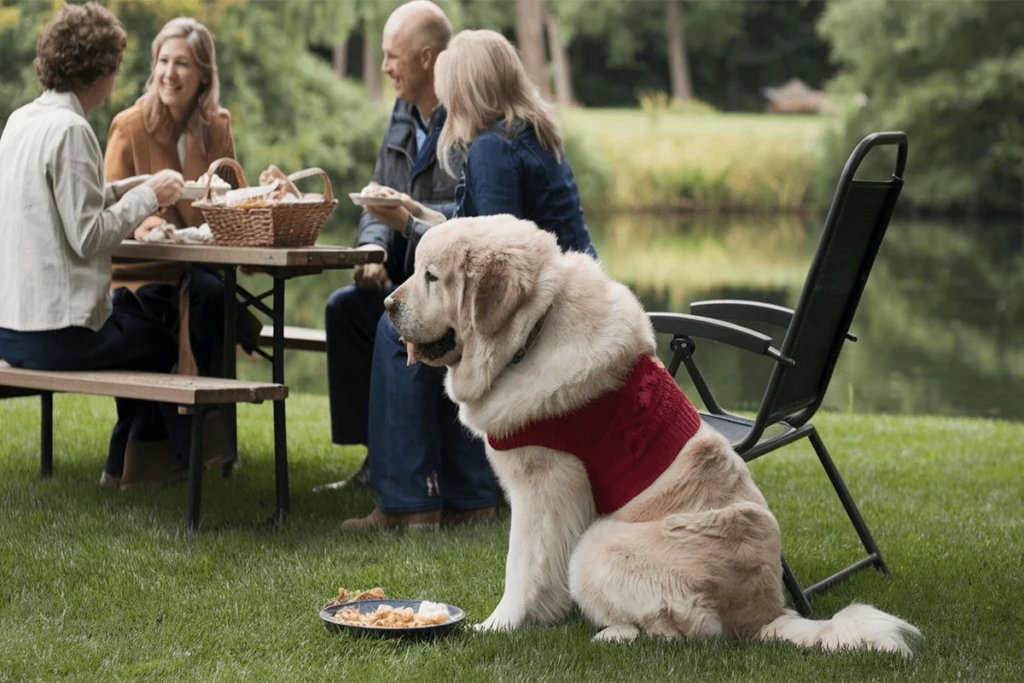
column 430, row 276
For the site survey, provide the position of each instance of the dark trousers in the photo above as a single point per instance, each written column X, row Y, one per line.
column 421, row 457
column 350, row 321
column 137, row 336
column 206, row 316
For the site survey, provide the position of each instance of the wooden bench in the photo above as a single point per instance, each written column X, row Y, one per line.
column 301, row 338
column 193, row 395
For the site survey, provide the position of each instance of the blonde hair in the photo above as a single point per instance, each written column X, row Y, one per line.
column 156, row 114
column 480, row 79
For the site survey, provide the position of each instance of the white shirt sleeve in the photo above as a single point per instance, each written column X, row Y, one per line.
column 76, row 175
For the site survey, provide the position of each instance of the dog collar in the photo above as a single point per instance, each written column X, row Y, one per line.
column 530, row 339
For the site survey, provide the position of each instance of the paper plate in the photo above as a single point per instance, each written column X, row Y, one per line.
column 366, row 200
column 197, row 191
column 455, row 617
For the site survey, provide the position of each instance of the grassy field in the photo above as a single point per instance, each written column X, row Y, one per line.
column 697, row 162
column 106, row 585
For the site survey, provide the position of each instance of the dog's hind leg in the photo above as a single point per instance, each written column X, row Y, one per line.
column 629, row 578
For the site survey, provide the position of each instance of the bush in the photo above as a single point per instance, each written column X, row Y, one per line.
column 589, row 168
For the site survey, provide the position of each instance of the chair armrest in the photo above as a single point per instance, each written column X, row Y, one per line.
column 716, row 330
column 748, row 311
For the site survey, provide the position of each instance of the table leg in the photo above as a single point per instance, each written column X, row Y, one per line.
column 280, row 436
column 186, row 359
column 230, row 412
column 195, row 470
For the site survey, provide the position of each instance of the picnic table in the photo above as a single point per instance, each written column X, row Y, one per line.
column 281, row 263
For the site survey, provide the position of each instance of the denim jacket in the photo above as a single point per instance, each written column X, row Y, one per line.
column 413, row 171
column 509, row 172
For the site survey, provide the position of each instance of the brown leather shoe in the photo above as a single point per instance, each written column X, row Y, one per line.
column 462, row 516
column 216, row 444
column 151, row 463
column 382, row 520
column 108, row 480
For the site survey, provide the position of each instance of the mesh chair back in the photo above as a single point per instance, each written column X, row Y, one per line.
column 853, row 232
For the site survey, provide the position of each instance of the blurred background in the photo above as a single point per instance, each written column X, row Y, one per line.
column 706, row 137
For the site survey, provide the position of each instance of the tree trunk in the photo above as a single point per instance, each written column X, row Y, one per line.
column 340, row 59
column 530, row 36
column 560, row 63
column 371, row 68
column 682, row 86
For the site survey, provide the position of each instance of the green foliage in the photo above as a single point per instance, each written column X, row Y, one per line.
column 950, row 74
column 735, row 49
column 589, row 167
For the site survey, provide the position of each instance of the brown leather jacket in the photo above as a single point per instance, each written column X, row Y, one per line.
column 133, row 150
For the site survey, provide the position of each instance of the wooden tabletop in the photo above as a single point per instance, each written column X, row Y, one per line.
column 321, row 257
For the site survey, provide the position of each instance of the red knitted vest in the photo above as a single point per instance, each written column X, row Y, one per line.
column 625, row 438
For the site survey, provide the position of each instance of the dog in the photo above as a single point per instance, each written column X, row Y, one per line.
column 667, row 535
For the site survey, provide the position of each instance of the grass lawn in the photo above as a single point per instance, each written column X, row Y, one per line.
column 697, row 162
column 105, row 585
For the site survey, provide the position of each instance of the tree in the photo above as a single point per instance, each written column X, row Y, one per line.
column 530, row 37
column 679, row 67
column 950, row 74
column 560, row 65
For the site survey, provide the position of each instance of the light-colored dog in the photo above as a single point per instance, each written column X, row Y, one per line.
column 529, row 333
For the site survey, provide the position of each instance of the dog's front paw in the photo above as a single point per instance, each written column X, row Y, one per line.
column 503, row 619
column 622, row 633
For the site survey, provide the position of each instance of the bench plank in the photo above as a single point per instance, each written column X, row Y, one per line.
column 148, row 386
column 302, row 338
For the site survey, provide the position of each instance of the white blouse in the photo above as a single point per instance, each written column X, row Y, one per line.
column 59, row 223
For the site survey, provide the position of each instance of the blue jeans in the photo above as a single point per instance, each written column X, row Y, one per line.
column 132, row 338
column 350, row 320
column 421, row 457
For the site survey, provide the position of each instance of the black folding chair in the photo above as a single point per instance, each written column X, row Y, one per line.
column 814, row 335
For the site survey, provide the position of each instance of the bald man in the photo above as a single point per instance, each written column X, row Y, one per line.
column 414, row 35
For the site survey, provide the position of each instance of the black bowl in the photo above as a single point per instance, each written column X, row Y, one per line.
column 455, row 617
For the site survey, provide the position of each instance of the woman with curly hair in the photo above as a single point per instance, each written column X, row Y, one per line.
column 60, row 223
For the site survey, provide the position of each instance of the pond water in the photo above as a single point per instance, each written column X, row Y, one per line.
column 940, row 325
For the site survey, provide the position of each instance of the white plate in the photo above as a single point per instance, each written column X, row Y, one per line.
column 197, row 191
column 365, row 200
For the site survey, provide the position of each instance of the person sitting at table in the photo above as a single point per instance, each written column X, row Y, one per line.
column 514, row 164
column 414, row 35
column 60, row 224
column 178, row 124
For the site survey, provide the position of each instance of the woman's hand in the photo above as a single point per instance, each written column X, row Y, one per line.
column 167, row 186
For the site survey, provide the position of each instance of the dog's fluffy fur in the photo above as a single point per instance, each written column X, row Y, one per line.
column 696, row 553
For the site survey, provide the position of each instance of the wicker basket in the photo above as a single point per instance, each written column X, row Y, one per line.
column 277, row 225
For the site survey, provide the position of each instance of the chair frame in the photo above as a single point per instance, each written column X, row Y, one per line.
column 709, row 321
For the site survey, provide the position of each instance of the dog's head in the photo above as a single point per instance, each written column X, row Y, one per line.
column 468, row 305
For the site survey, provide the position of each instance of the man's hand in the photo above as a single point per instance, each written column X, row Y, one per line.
column 167, row 186
column 370, row 277
column 395, row 217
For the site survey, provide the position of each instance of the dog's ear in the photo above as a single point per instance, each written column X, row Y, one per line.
column 497, row 289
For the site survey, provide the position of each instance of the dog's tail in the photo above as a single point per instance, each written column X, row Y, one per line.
column 857, row 627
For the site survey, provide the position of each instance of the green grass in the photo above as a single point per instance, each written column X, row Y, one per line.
column 106, row 585
column 699, row 162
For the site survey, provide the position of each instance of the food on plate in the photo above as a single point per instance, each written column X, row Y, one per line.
column 379, row 191
column 386, row 616
column 352, row 596
column 216, row 183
